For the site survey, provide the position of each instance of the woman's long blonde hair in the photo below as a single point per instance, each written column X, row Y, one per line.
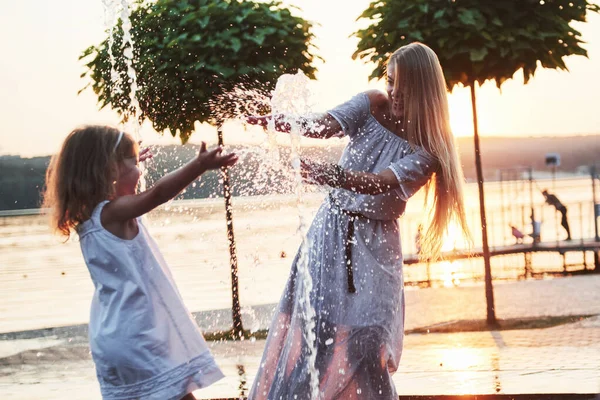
column 419, row 79
column 83, row 173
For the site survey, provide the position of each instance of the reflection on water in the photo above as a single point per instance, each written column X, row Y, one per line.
column 496, row 370
column 460, row 359
column 465, row 363
column 243, row 386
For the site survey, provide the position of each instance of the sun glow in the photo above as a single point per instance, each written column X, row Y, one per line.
column 452, row 237
column 449, row 273
column 451, row 269
column 461, row 115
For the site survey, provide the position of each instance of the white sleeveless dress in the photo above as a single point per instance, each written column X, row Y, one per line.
column 145, row 343
column 359, row 310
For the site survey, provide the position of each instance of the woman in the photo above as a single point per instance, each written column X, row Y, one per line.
column 398, row 142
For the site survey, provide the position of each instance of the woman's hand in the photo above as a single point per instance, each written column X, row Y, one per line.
column 315, row 173
column 213, row 159
column 334, row 175
column 281, row 125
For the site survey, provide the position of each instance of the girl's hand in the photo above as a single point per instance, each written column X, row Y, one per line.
column 213, row 159
column 280, row 124
column 145, row 154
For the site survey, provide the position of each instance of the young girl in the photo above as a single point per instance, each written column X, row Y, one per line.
column 398, row 142
column 144, row 342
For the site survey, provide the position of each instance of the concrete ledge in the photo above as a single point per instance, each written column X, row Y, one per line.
column 558, row 396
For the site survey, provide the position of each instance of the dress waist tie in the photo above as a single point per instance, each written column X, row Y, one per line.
column 352, row 218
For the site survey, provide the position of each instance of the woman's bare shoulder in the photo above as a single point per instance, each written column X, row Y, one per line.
column 377, row 97
column 379, row 102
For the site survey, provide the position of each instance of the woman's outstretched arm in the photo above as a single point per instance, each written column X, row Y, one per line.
column 407, row 174
column 359, row 182
column 318, row 126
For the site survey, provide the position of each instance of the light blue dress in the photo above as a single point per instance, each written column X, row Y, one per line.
column 145, row 343
column 359, row 310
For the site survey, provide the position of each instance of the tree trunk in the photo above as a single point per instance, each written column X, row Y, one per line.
column 238, row 328
column 596, row 215
column 595, row 202
column 489, row 290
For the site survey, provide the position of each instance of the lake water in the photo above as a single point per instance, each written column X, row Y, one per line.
column 44, row 282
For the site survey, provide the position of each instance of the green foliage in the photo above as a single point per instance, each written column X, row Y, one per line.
column 476, row 40
column 21, row 181
column 186, row 52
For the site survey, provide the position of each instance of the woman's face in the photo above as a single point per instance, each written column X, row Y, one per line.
column 396, row 99
column 129, row 175
column 391, row 70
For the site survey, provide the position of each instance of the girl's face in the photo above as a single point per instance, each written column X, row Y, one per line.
column 129, row 176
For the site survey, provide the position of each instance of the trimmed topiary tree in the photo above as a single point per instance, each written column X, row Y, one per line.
column 187, row 52
column 477, row 41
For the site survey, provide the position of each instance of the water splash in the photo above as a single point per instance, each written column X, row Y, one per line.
column 292, row 98
column 122, row 8
column 110, row 20
column 128, row 46
column 267, row 164
column 245, row 98
column 254, row 321
column 249, row 98
column 112, row 8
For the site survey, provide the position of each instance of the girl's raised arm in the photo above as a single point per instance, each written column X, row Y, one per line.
column 128, row 207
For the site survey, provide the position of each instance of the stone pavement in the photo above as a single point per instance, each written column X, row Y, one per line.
column 556, row 360
column 562, row 359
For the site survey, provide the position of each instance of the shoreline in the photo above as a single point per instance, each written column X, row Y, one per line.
column 75, row 332
column 245, row 202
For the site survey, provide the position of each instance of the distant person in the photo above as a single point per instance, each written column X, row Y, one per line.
column 536, row 229
column 144, row 342
column 553, row 201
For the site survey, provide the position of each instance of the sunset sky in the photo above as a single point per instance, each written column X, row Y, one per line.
column 39, row 77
